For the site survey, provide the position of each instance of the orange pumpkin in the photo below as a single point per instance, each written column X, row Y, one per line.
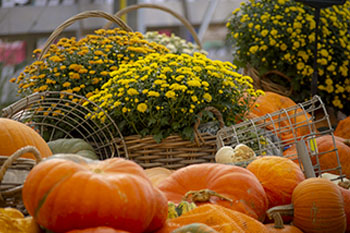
column 279, row 176
column 318, row 206
column 98, row 230
column 157, row 174
column 74, row 193
column 231, row 186
column 288, row 126
column 327, row 157
column 15, row 135
column 219, row 218
column 343, row 128
column 346, row 197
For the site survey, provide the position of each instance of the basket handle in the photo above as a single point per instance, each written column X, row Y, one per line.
column 82, row 15
column 217, row 113
column 183, row 20
column 286, row 92
column 14, row 157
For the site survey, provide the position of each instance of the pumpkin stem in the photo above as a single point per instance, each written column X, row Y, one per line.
column 275, row 214
column 203, row 196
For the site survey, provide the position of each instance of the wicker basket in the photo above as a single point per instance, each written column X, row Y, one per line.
column 12, row 175
column 58, row 115
column 173, row 152
column 183, row 20
column 263, row 81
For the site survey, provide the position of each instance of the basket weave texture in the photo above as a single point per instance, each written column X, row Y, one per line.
column 12, row 174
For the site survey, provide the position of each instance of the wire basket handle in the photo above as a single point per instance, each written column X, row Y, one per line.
column 183, row 20
column 217, row 113
column 82, row 15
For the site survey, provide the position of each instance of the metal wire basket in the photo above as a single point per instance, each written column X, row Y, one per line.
column 58, row 115
column 291, row 132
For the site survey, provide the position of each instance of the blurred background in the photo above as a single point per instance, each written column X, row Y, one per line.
column 26, row 24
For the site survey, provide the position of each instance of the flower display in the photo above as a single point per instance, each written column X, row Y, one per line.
column 174, row 43
column 280, row 35
column 83, row 66
column 161, row 94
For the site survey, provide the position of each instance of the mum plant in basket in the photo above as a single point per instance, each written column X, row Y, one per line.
column 280, row 35
column 83, row 66
column 161, row 94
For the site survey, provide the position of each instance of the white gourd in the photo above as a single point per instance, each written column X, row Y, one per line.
column 241, row 152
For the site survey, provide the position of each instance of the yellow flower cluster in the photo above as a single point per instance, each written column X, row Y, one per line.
column 161, row 94
column 280, row 34
column 83, row 66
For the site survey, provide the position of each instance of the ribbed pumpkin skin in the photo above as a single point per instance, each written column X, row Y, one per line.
column 346, row 197
column 279, row 176
column 15, row 135
column 217, row 217
column 234, row 182
column 318, row 206
column 64, row 195
column 157, row 174
column 98, row 230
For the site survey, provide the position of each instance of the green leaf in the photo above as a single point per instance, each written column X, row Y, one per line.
column 158, row 137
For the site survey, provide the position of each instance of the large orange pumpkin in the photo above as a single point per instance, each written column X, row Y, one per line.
column 279, row 176
column 63, row 194
column 343, row 128
column 15, row 135
column 219, row 218
column 327, row 156
column 288, row 126
column 318, row 206
column 227, row 185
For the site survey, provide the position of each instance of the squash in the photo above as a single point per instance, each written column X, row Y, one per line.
column 73, row 146
column 279, row 176
column 97, row 230
column 15, row 135
column 317, row 206
column 217, row 217
column 176, row 210
column 240, row 153
column 195, row 228
column 13, row 221
column 228, row 185
column 77, row 193
column 343, row 128
column 157, row 174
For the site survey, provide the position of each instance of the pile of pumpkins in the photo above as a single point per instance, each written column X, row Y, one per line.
column 71, row 192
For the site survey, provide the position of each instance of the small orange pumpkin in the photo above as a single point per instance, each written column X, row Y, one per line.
column 317, row 206
column 278, row 226
column 15, row 135
column 279, row 176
